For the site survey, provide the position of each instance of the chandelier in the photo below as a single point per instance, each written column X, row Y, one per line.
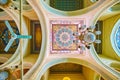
column 86, row 37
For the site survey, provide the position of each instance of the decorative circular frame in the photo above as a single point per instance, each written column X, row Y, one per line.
column 64, row 37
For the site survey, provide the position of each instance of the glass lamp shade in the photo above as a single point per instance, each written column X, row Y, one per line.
column 66, row 78
column 98, row 41
column 89, row 37
column 3, row 75
column 97, row 32
column 3, row 2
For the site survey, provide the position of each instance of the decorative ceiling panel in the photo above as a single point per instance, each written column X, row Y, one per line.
column 5, row 37
column 62, row 35
column 67, row 5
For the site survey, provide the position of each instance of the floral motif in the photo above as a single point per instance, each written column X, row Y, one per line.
column 63, row 37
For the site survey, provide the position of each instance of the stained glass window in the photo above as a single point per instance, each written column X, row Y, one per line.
column 118, row 38
column 67, row 5
column 115, row 37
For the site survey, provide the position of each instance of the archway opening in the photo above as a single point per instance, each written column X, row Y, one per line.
column 69, row 71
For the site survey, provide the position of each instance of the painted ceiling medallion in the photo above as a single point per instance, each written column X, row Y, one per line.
column 5, row 3
column 63, row 35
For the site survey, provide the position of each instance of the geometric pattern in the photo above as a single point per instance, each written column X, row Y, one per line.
column 67, row 5
column 62, row 35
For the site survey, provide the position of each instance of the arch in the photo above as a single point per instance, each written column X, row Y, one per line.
column 44, row 48
column 99, row 61
column 15, row 57
column 70, row 13
column 69, row 60
column 92, row 50
column 42, row 18
column 99, row 13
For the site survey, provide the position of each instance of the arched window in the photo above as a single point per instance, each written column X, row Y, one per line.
column 115, row 37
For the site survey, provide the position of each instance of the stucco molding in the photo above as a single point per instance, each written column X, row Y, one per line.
column 36, row 5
